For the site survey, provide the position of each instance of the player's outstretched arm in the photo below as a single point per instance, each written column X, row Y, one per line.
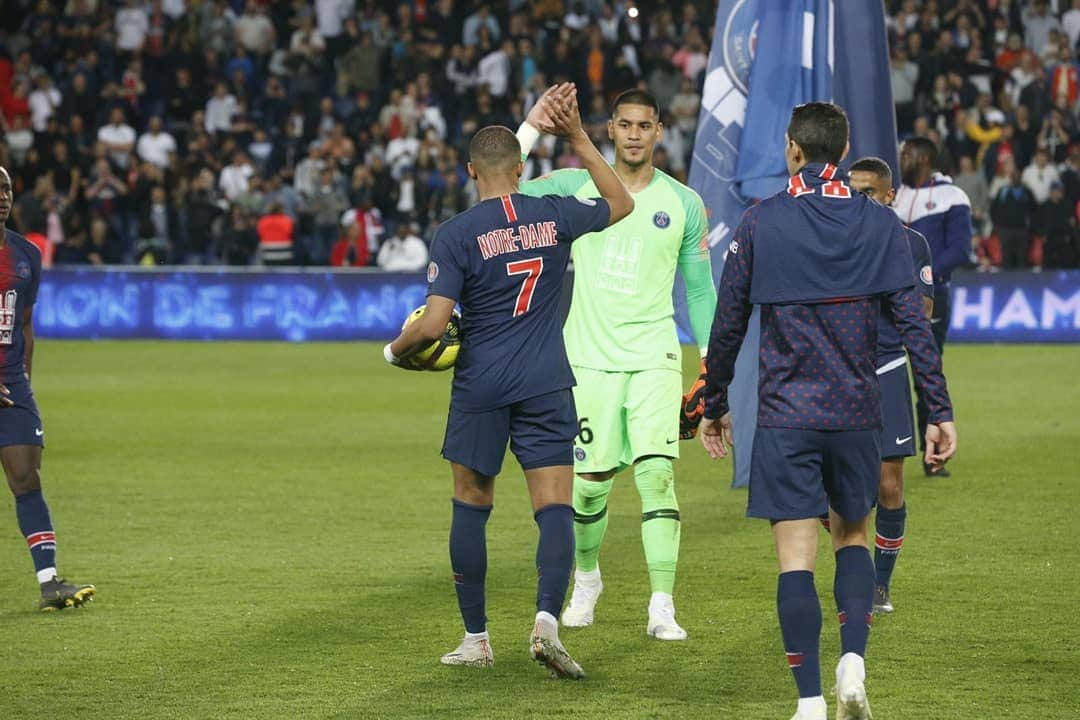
column 565, row 121
column 418, row 335
column 914, row 328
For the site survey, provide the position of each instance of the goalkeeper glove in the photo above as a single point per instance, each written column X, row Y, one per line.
column 693, row 407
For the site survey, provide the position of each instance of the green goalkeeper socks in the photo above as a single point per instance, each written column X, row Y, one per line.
column 660, row 525
column 590, row 520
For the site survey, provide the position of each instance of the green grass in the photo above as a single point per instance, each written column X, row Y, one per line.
column 266, row 525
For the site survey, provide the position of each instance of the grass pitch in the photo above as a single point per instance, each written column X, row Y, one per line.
column 266, row 525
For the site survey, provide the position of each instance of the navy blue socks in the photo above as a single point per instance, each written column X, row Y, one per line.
column 854, row 592
column 554, row 556
column 890, row 538
column 36, row 527
column 799, row 609
column 468, row 560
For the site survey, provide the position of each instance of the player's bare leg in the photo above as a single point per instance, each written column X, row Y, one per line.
column 890, row 519
column 473, row 497
column 854, row 592
column 22, row 467
column 799, row 610
column 550, row 489
column 590, row 523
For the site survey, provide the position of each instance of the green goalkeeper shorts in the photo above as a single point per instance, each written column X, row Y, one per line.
column 624, row 416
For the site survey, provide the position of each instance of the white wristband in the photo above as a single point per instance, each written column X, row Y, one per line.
column 527, row 136
column 389, row 355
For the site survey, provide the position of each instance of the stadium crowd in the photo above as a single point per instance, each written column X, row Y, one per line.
column 995, row 84
column 308, row 133
column 333, row 131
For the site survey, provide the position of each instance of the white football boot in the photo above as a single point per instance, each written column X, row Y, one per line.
column 587, row 589
column 474, row 651
column 546, row 649
column 851, row 702
column 812, row 709
column 662, row 625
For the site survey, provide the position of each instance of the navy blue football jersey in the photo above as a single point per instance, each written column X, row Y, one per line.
column 889, row 344
column 503, row 261
column 20, row 275
column 821, row 261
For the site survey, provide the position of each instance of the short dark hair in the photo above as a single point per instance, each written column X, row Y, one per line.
column 494, row 148
column 634, row 96
column 874, row 165
column 925, row 147
column 821, row 130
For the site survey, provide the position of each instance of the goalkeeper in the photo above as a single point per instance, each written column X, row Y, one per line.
column 624, row 351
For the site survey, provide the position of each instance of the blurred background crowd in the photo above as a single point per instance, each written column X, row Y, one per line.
column 333, row 132
column 995, row 84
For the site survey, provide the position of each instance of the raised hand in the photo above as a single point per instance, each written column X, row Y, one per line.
column 560, row 106
column 538, row 115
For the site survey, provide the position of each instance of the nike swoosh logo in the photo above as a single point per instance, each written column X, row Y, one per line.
column 901, row 441
column 672, row 442
column 39, row 432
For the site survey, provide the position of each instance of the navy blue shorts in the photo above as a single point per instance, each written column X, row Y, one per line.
column 541, row 432
column 21, row 424
column 799, row 474
column 898, row 420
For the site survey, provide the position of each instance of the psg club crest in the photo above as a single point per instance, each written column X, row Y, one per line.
column 23, row 270
column 432, row 271
column 926, row 275
column 579, row 454
column 661, row 219
column 740, row 43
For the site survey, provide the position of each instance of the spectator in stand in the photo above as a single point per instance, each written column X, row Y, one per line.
column 404, row 251
column 155, row 145
column 326, row 205
column 974, row 185
column 235, row 176
column 330, row 15
column 1038, row 23
column 203, row 212
column 482, row 18
column 118, row 138
column 220, row 110
column 360, row 67
column 161, row 216
column 254, row 31
column 132, row 26
column 275, row 231
column 691, row 58
column 1055, row 222
column 352, row 249
column 1070, row 23
column 43, row 102
column 1039, row 176
column 1011, row 211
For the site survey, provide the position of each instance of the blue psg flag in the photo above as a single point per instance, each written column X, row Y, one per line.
column 768, row 56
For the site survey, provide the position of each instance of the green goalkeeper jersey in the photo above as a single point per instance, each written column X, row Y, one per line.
column 622, row 311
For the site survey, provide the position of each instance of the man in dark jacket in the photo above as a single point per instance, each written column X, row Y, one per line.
column 1011, row 210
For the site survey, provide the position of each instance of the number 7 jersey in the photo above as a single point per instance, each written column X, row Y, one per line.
column 503, row 261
